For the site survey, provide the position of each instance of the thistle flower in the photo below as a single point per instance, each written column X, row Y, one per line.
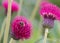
column 21, row 28
column 15, row 6
column 50, row 12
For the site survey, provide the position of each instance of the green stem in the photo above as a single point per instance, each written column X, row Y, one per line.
column 45, row 37
column 35, row 10
column 2, row 28
column 20, row 7
column 11, row 40
column 8, row 19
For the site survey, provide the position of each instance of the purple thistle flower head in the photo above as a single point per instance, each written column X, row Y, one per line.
column 20, row 28
column 15, row 6
column 50, row 12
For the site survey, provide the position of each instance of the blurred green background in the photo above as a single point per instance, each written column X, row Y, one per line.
column 37, row 37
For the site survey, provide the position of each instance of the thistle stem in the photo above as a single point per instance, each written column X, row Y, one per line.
column 11, row 40
column 35, row 10
column 20, row 7
column 14, row 41
column 8, row 18
column 2, row 28
column 46, row 33
column 21, row 41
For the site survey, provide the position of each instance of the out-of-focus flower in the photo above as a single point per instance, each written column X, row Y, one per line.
column 21, row 28
column 50, row 9
column 50, row 12
column 15, row 6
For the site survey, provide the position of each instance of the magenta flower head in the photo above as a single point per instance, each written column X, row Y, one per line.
column 15, row 6
column 21, row 28
column 50, row 12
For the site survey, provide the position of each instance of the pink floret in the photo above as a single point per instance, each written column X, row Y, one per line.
column 49, row 8
column 19, row 32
